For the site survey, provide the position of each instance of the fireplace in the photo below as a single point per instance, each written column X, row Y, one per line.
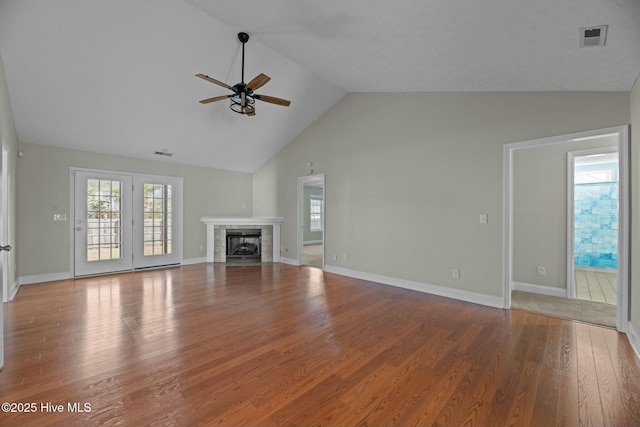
column 217, row 236
column 244, row 244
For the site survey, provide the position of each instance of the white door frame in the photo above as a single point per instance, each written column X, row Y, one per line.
column 5, row 237
column 3, row 267
column 309, row 179
column 622, row 133
column 571, row 279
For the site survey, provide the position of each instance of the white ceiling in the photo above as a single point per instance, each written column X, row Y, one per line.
column 117, row 76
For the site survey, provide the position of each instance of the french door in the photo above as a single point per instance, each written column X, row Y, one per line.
column 125, row 222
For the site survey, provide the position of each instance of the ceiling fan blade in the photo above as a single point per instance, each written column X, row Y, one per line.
column 212, row 80
column 258, row 81
column 214, row 99
column 273, row 100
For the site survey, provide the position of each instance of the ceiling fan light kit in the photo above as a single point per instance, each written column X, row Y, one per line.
column 243, row 99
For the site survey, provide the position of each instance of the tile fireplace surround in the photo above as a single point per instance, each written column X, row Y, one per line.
column 217, row 242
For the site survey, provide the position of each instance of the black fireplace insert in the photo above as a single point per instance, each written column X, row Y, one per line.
column 244, row 244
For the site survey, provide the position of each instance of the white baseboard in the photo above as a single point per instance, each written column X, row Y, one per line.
column 39, row 278
column 540, row 289
column 634, row 339
column 473, row 297
column 189, row 261
column 290, row 261
column 13, row 290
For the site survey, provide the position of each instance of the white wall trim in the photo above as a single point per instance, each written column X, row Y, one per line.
column 189, row 261
column 634, row 339
column 13, row 290
column 311, row 242
column 457, row 294
column 39, row 278
column 540, row 289
column 290, row 261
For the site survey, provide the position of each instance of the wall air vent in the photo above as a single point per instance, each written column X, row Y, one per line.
column 163, row 153
column 593, row 36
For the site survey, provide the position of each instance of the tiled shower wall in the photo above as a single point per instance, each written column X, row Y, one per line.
column 596, row 225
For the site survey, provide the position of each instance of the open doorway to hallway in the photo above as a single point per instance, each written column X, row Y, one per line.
column 539, row 239
column 311, row 209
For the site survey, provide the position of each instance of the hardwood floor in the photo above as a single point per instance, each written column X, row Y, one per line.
column 281, row 345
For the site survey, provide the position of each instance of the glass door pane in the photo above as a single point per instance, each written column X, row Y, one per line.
column 104, row 210
column 102, row 223
column 157, row 207
column 157, row 219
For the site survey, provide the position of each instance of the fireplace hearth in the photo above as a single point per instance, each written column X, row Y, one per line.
column 244, row 244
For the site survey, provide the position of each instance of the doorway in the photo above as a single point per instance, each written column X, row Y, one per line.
column 311, row 221
column 125, row 221
column 620, row 136
column 593, row 222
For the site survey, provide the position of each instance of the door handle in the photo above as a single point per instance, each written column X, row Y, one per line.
column 5, row 248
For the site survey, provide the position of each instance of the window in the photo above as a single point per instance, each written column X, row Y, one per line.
column 315, row 213
column 594, row 175
column 157, row 219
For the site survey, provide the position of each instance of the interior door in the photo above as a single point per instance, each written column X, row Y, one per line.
column 102, row 223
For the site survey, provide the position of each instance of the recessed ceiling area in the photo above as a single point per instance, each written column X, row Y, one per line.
column 118, row 76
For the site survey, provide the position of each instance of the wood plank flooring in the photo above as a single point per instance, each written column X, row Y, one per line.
column 277, row 345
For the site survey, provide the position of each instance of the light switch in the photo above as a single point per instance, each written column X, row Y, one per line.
column 59, row 217
column 484, row 218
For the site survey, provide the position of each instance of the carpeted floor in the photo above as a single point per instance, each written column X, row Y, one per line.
column 575, row 309
column 313, row 255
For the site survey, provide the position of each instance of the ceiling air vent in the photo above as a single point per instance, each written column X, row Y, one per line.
column 593, row 36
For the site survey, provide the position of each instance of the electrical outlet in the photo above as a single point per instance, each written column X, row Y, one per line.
column 484, row 219
column 346, row 257
column 335, row 257
column 455, row 273
column 540, row 271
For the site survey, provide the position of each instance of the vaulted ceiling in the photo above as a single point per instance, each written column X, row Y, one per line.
column 118, row 76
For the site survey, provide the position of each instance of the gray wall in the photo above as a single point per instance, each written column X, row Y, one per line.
column 540, row 210
column 426, row 165
column 308, row 235
column 43, row 188
column 634, row 257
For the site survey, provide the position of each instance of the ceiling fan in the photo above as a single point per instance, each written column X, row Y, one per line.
column 243, row 97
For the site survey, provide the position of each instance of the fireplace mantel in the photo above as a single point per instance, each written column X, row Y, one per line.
column 211, row 222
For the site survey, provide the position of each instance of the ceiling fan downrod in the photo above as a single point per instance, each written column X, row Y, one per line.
column 242, row 101
column 244, row 38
